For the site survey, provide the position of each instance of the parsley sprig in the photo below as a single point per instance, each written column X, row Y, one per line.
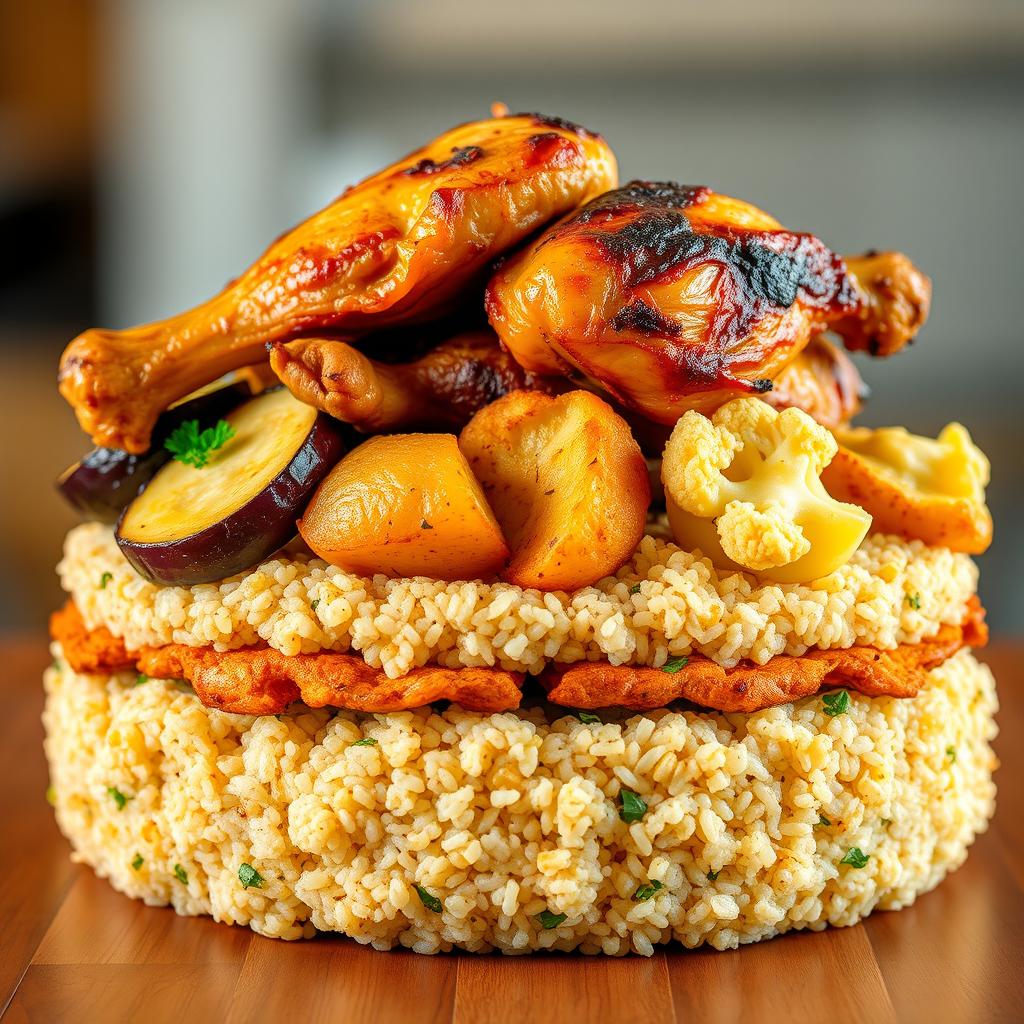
column 250, row 877
column 193, row 446
column 645, row 892
column 549, row 920
column 855, row 857
column 836, row 703
column 634, row 807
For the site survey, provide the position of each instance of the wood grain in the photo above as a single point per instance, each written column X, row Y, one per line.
column 73, row 950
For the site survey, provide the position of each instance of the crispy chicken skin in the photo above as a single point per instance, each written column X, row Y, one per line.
column 440, row 390
column 395, row 249
column 673, row 297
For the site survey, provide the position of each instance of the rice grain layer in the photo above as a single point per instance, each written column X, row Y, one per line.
column 663, row 603
column 499, row 818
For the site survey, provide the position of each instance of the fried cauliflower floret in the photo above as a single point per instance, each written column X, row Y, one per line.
column 744, row 488
column 926, row 489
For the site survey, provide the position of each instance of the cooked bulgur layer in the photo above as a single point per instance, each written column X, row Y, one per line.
column 663, row 603
column 504, row 831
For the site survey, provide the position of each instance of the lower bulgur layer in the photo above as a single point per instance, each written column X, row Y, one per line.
column 503, row 817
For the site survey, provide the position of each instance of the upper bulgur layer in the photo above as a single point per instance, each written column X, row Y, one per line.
column 664, row 602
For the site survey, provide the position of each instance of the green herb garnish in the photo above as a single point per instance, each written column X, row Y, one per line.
column 713, row 875
column 822, row 820
column 951, row 754
column 645, row 892
column 549, row 920
column 675, row 664
column 836, row 703
column 316, row 603
column 181, row 874
column 137, row 862
column 430, row 901
column 105, row 579
column 366, row 741
column 118, row 797
column 634, row 807
column 856, row 857
column 587, row 718
column 250, row 877
column 914, row 600
column 141, row 678
column 193, row 446
column 635, row 589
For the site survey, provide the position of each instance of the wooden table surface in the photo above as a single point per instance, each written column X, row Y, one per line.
column 72, row 949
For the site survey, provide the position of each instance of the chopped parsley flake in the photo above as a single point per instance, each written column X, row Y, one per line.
column 836, row 703
column 822, row 820
column 549, row 920
column 105, row 579
column 181, row 874
column 118, row 797
column 587, row 718
column 856, row 857
column 951, row 754
column 366, row 741
column 316, row 603
column 429, row 900
column 713, row 875
column 645, row 892
column 675, row 664
column 635, row 589
column 634, row 807
column 141, row 678
column 250, row 877
column 914, row 600
column 192, row 446
column 137, row 862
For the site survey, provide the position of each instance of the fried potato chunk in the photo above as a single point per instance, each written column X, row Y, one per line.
column 748, row 688
column 567, row 482
column 405, row 505
column 917, row 487
column 262, row 681
column 744, row 488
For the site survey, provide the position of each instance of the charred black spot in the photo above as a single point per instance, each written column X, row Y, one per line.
column 639, row 316
column 549, row 121
column 761, row 385
column 461, row 156
column 640, row 195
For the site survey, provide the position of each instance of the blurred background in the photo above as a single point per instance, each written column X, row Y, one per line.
column 149, row 150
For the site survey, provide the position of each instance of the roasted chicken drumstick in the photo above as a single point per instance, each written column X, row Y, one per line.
column 440, row 390
column 672, row 297
column 395, row 249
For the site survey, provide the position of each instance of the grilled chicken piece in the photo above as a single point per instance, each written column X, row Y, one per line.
column 397, row 248
column 822, row 381
column 440, row 390
column 673, row 297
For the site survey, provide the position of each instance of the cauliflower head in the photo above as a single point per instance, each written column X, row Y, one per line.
column 926, row 489
column 744, row 487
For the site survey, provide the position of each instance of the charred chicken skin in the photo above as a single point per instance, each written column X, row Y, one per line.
column 397, row 248
column 673, row 297
column 441, row 389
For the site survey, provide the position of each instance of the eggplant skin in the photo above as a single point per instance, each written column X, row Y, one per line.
column 253, row 532
column 106, row 480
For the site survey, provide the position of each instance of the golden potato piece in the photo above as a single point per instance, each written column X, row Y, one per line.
column 405, row 505
column 917, row 487
column 567, row 482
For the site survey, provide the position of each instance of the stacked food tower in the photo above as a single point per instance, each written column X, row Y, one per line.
column 493, row 565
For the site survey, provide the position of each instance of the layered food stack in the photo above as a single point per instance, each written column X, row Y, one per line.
column 493, row 565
